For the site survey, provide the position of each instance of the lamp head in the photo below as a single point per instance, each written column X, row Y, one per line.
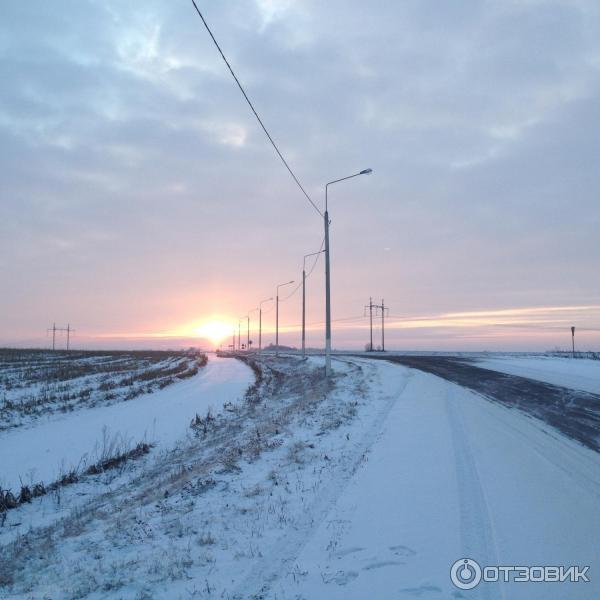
column 366, row 172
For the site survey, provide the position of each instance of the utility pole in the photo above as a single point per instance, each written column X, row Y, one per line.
column 381, row 307
column 303, row 311
column 371, row 324
column 382, row 326
column 239, row 335
column 248, row 338
column 233, row 345
column 260, row 323
column 304, row 300
column 328, row 273
column 370, row 306
column 327, row 293
column 277, row 316
column 573, row 340
column 54, row 329
column 378, row 307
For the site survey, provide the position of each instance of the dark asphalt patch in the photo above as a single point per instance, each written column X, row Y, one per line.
column 573, row 412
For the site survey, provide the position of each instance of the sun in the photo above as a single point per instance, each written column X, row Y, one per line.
column 215, row 331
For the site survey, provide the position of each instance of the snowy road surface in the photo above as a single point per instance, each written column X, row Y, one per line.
column 53, row 446
column 453, row 475
column 573, row 412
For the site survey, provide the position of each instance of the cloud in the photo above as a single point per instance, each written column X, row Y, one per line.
column 124, row 143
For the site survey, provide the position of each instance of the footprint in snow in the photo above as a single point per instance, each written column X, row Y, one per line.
column 383, row 563
column 421, row 590
column 402, row 551
column 347, row 551
column 341, row 577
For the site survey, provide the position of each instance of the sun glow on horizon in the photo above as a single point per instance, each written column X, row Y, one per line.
column 215, row 331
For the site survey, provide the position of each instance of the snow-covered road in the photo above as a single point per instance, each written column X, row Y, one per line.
column 53, row 446
column 453, row 475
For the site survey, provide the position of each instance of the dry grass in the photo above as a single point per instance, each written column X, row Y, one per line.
column 35, row 383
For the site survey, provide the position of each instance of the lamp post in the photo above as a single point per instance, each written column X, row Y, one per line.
column 304, row 300
column 382, row 326
column 248, row 338
column 260, row 323
column 277, row 315
column 327, row 273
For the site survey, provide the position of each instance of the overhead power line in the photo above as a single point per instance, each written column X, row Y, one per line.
column 287, row 166
column 317, row 256
column 343, row 320
column 316, row 260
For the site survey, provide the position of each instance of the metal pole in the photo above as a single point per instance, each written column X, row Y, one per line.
column 259, row 329
column 248, row 337
column 304, row 298
column 260, row 323
column 327, row 274
column 382, row 326
column 277, row 324
column 277, row 316
column 68, row 334
column 327, row 294
column 573, row 339
column 371, row 323
column 53, row 336
column 303, row 312
column 239, row 336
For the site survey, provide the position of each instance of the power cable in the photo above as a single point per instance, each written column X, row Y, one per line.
column 287, row 166
column 316, row 260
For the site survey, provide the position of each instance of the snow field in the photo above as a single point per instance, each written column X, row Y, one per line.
column 372, row 488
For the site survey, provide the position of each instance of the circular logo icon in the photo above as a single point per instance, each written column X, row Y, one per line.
column 465, row 573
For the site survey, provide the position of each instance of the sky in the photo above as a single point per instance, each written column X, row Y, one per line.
column 139, row 199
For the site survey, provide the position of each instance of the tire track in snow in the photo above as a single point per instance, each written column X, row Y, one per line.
column 476, row 527
column 575, row 460
column 574, row 413
column 278, row 560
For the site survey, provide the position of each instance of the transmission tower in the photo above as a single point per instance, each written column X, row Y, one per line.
column 66, row 329
column 376, row 310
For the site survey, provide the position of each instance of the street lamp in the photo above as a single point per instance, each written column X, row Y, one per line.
column 304, row 300
column 277, row 316
column 240, row 333
column 248, row 338
column 260, row 323
column 327, row 273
